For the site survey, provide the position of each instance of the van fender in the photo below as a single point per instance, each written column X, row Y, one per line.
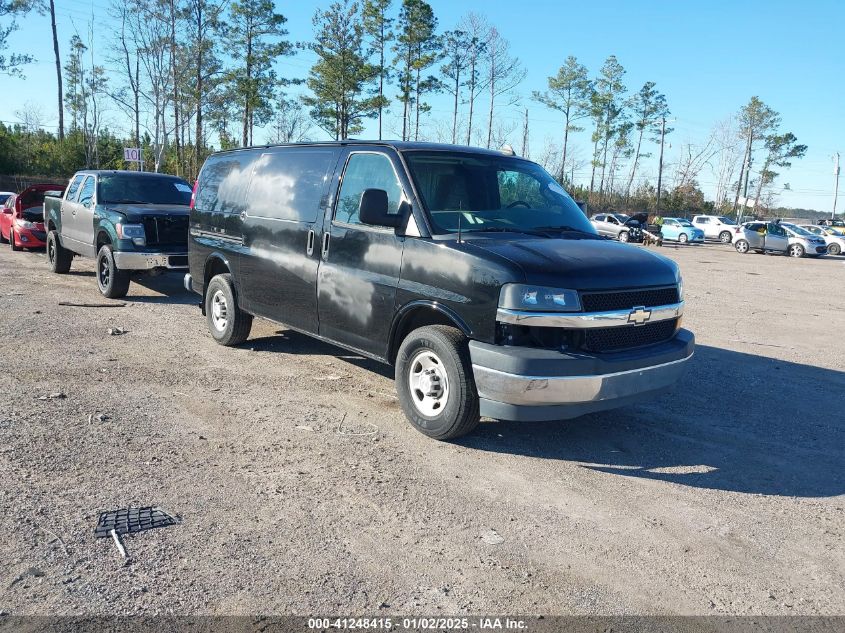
column 404, row 316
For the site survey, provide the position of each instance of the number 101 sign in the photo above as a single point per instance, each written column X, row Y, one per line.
column 132, row 155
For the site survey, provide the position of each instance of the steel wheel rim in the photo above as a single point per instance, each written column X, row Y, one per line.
column 219, row 311
column 105, row 272
column 428, row 383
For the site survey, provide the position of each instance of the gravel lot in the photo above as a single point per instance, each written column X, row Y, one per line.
column 302, row 490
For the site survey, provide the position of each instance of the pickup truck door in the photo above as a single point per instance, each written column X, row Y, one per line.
column 78, row 218
column 360, row 264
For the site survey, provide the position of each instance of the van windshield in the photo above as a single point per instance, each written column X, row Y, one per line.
column 492, row 193
column 121, row 189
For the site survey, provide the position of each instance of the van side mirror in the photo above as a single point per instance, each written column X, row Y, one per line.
column 373, row 209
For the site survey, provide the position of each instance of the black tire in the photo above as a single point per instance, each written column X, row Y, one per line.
column 834, row 249
column 741, row 246
column 725, row 237
column 58, row 257
column 113, row 282
column 3, row 240
column 796, row 250
column 14, row 246
column 459, row 414
column 624, row 236
column 228, row 324
column 683, row 238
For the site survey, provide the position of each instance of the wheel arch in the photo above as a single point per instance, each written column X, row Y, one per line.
column 418, row 314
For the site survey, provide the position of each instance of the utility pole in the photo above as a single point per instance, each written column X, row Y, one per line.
column 524, row 136
column 660, row 165
column 835, row 186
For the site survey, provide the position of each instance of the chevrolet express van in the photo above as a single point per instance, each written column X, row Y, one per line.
column 471, row 271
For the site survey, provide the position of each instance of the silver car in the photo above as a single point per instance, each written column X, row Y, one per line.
column 613, row 225
column 761, row 237
column 803, row 243
column 834, row 239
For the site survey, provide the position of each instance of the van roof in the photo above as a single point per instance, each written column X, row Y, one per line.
column 398, row 145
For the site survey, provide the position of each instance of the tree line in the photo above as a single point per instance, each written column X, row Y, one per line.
column 190, row 76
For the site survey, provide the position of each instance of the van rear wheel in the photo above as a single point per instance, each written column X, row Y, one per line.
column 435, row 383
column 228, row 324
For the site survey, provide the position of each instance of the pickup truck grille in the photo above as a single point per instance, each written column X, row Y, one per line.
column 627, row 299
column 166, row 230
column 611, row 339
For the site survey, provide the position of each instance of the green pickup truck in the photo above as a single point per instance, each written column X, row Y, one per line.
column 131, row 222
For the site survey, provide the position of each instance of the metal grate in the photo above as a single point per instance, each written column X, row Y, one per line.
column 166, row 230
column 627, row 299
column 610, row 339
column 131, row 520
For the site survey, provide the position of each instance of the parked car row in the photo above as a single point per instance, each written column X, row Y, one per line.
column 471, row 271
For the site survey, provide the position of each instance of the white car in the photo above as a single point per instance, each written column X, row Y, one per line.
column 715, row 227
column 803, row 243
column 834, row 239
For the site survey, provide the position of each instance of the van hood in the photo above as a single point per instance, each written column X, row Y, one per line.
column 136, row 212
column 583, row 264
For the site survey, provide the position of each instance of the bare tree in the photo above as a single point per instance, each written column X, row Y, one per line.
column 477, row 30
column 502, row 74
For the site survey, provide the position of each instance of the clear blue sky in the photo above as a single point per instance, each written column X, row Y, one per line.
column 708, row 57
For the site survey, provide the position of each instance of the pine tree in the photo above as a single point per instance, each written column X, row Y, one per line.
column 377, row 27
column 416, row 47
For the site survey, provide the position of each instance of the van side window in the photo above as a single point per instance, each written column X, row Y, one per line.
column 86, row 193
column 288, row 184
column 74, row 187
column 366, row 171
column 224, row 182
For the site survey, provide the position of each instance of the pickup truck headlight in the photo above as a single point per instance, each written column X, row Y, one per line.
column 538, row 298
column 680, row 288
column 134, row 232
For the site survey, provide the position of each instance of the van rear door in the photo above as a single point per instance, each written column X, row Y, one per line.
column 287, row 196
column 359, row 271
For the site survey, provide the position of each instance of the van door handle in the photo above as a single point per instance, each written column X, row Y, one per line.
column 309, row 249
column 326, row 238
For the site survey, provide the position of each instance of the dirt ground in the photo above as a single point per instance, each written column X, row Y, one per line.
column 302, row 490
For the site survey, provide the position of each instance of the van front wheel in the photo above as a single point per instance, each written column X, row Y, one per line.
column 228, row 324
column 435, row 383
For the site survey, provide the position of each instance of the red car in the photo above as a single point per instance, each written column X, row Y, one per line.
column 22, row 220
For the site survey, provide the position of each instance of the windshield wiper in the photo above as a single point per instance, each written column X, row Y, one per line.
column 565, row 229
column 505, row 229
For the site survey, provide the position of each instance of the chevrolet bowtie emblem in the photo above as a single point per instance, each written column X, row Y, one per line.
column 639, row 316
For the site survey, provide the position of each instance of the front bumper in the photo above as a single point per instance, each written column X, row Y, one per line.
column 129, row 260
column 30, row 238
column 528, row 384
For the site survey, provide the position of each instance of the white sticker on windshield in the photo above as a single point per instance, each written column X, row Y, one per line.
column 183, row 187
column 557, row 188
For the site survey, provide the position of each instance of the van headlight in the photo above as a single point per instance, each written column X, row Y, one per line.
column 538, row 298
column 134, row 232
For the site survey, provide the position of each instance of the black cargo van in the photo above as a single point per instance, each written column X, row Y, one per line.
column 472, row 271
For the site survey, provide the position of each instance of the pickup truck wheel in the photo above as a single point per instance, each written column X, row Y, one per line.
column 725, row 237
column 228, row 324
column 741, row 246
column 12, row 242
column 435, row 383
column 113, row 282
column 58, row 257
column 624, row 236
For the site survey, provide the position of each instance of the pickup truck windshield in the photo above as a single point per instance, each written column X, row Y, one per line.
column 491, row 193
column 127, row 189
